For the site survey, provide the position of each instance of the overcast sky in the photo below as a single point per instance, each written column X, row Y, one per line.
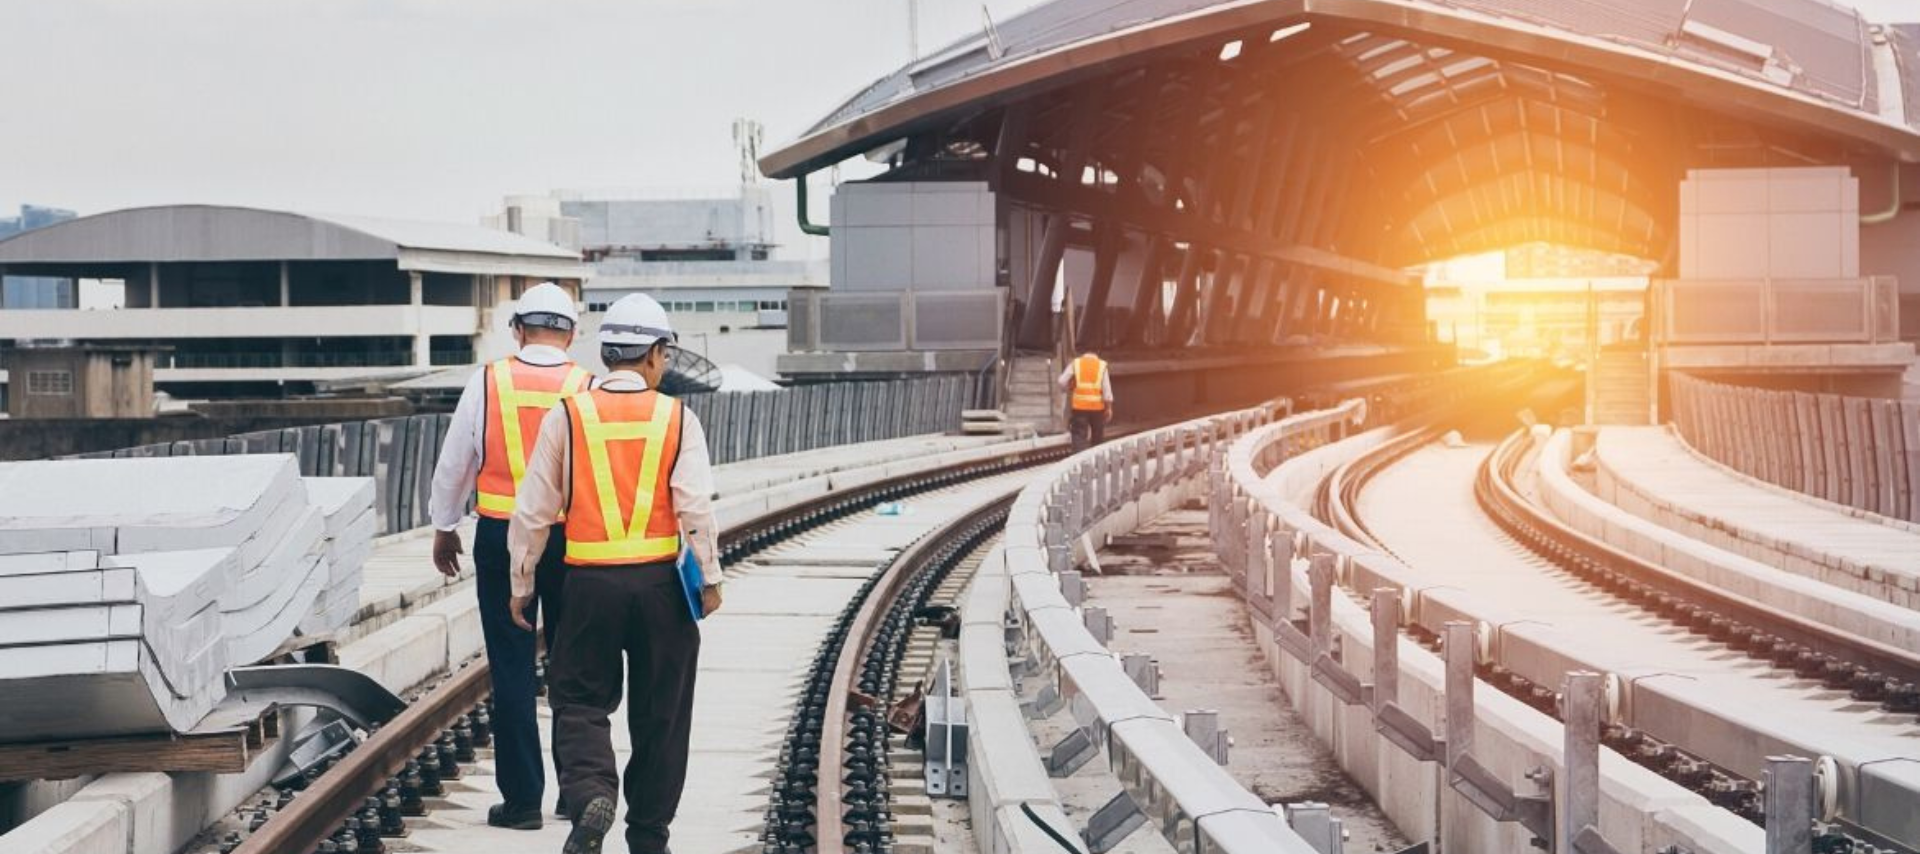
column 423, row 109
column 430, row 109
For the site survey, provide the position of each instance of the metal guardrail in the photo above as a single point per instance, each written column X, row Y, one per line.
column 400, row 453
column 1860, row 452
column 1174, row 783
column 1777, row 311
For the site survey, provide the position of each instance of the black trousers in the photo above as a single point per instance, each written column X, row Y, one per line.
column 511, row 652
column 1095, row 419
column 639, row 612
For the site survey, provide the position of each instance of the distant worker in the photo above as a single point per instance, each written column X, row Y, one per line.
column 628, row 467
column 1090, row 399
column 485, row 458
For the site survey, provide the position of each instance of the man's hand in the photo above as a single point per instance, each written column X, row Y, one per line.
column 446, row 553
column 710, row 599
column 1109, row 415
column 518, row 609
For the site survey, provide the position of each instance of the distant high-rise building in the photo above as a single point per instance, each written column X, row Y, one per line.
column 35, row 291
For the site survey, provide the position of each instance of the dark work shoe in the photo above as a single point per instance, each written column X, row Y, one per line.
column 499, row 815
column 590, row 827
column 560, row 810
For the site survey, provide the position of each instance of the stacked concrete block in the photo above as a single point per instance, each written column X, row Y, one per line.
column 346, row 503
column 129, row 587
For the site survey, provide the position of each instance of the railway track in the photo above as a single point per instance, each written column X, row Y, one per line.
column 360, row 801
column 1768, row 682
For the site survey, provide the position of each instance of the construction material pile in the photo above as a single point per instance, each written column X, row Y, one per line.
column 128, row 587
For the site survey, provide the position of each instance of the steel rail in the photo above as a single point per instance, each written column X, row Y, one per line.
column 829, row 793
column 1529, row 523
column 313, row 815
column 336, row 794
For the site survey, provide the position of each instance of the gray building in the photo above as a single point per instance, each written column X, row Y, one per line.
column 36, row 291
column 708, row 256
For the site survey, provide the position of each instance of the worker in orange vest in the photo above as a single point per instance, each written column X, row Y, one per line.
column 628, row 467
column 1090, row 397
column 484, row 458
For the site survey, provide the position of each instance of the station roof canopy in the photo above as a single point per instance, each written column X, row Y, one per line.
column 1409, row 130
column 214, row 233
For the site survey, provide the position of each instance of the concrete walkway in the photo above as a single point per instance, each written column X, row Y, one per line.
column 753, row 658
column 1652, row 474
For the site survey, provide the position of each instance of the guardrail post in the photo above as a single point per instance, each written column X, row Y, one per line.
column 1073, row 587
column 1386, row 647
column 1789, row 805
column 1059, row 556
column 1580, row 780
column 1144, row 671
column 1279, row 589
column 1459, row 652
column 1254, row 578
column 1320, row 618
column 1098, row 623
column 1203, row 726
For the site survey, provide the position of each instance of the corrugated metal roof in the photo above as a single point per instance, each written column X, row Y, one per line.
column 1811, row 49
column 225, row 233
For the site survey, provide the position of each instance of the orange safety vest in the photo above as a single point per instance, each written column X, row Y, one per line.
column 620, row 510
column 1089, row 394
column 518, row 396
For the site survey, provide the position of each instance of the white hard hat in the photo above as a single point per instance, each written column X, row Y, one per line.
column 546, row 299
column 635, row 320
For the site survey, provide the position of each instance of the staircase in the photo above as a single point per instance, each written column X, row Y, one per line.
column 1621, row 382
column 1032, row 397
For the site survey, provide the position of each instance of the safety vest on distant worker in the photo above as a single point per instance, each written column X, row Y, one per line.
column 1089, row 384
column 518, row 396
column 621, row 506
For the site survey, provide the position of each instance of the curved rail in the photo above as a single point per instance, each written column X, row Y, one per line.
column 336, row 795
column 1528, row 665
column 830, row 829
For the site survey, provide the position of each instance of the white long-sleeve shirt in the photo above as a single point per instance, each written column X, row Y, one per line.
column 547, row 487
column 459, row 464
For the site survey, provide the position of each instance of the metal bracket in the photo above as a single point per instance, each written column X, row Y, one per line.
column 1465, row 774
column 1044, row 704
column 946, row 737
column 1498, row 800
column 351, row 694
column 1406, row 732
column 1316, row 823
column 1789, row 804
column 1144, row 671
column 1346, row 687
column 1098, row 623
column 1112, row 823
column 1073, row 588
column 1072, row 753
column 1203, row 726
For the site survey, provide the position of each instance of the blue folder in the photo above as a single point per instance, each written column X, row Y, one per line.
column 692, row 581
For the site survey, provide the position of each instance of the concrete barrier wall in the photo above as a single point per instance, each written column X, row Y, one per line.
column 1857, row 451
column 1606, row 517
column 400, row 453
column 1184, row 793
column 1262, row 528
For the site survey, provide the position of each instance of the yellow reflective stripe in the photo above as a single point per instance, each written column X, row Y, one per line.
column 598, row 433
column 626, row 551
column 512, row 400
column 496, row 503
column 591, row 429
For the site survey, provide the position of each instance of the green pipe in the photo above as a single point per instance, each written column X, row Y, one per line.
column 800, row 193
column 1892, row 210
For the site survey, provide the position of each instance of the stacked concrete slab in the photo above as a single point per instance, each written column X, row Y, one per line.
column 129, row 587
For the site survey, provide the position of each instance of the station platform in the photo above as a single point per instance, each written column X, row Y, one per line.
column 1651, row 473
